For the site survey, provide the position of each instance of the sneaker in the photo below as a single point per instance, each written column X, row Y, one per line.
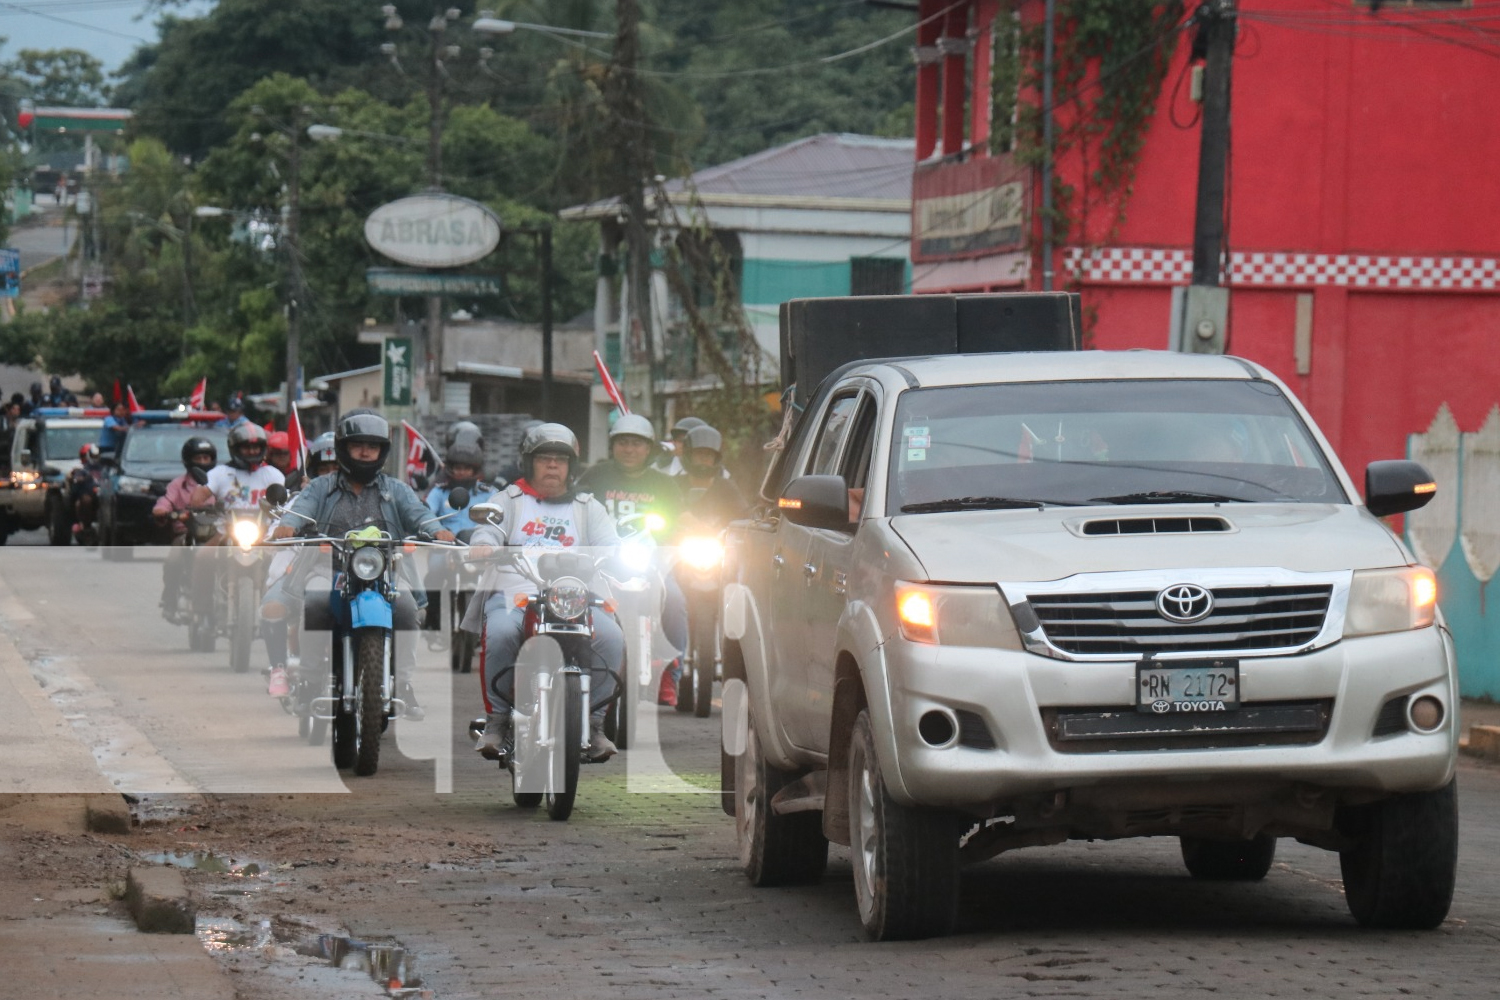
column 494, row 742
column 600, row 747
column 293, row 661
column 277, row 686
column 437, row 641
column 413, row 711
column 667, row 694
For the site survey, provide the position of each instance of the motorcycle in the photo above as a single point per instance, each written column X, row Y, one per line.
column 635, row 579
column 700, row 557
column 354, row 690
column 550, row 714
column 231, row 609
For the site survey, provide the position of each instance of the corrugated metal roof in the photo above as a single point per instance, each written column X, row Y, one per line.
column 832, row 164
column 828, row 165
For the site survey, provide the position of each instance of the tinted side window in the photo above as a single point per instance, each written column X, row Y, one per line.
column 855, row 468
column 831, row 435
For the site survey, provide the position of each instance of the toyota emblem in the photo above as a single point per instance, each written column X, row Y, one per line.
column 1184, row 603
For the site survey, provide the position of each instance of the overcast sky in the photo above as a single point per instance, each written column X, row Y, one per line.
column 107, row 29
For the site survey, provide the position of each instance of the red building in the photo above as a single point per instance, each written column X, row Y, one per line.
column 1363, row 217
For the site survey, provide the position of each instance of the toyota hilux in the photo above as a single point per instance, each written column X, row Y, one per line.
column 993, row 601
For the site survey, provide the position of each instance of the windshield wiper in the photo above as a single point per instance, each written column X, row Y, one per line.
column 981, row 503
column 1171, row 496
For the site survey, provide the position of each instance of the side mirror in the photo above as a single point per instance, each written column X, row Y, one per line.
column 459, row 498
column 816, row 502
column 198, row 476
column 486, row 513
column 1395, row 487
column 276, row 493
column 293, row 481
column 25, row 456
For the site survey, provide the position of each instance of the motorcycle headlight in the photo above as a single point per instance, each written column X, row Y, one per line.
column 655, row 523
column 246, row 532
column 134, row 485
column 367, row 563
column 568, row 598
column 636, row 555
column 1390, row 600
column 702, row 553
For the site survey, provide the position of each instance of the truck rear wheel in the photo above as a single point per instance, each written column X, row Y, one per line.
column 1229, row 860
column 774, row 849
column 906, row 865
column 1400, row 872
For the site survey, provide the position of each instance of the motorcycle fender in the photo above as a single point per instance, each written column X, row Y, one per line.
column 370, row 610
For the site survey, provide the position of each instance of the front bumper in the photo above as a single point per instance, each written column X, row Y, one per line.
column 1018, row 697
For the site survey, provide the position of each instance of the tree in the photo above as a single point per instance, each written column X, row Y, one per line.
column 68, row 78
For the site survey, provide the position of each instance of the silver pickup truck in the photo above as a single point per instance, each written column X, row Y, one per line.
column 1008, row 600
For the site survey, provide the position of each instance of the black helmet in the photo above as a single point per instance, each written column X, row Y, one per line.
column 195, row 446
column 369, row 427
column 554, row 439
column 252, row 435
column 681, row 428
column 322, row 451
column 465, row 432
column 236, row 402
column 465, row 454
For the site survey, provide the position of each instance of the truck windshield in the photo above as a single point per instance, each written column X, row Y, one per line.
column 164, row 444
column 63, row 443
column 1119, row 442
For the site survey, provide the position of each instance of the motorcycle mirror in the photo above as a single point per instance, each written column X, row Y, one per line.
column 484, row 513
column 459, row 498
column 276, row 493
column 294, row 480
column 198, row 476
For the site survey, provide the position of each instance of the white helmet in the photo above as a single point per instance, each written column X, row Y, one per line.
column 553, row 439
column 633, row 424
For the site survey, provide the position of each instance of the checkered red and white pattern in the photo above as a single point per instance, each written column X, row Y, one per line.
column 1152, row 266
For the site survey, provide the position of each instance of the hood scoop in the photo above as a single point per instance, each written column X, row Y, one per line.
column 1178, row 525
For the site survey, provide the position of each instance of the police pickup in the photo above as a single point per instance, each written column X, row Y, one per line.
column 1003, row 600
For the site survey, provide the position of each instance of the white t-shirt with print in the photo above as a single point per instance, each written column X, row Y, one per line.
column 238, row 489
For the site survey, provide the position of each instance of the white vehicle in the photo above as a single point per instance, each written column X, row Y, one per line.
column 43, row 452
column 1007, row 600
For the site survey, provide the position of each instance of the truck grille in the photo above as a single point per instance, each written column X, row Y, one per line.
column 1127, row 622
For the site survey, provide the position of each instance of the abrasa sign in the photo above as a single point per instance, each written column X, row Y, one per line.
column 433, row 230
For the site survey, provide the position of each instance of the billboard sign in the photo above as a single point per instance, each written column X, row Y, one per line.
column 433, row 230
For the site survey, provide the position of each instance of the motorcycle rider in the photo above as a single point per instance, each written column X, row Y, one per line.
column 83, row 493
column 359, row 494
column 463, row 465
column 671, row 462
column 627, row 485
column 279, row 451
column 713, row 499
column 197, row 453
column 322, row 457
column 541, row 509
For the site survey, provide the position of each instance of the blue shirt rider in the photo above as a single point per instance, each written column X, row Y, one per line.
column 464, row 464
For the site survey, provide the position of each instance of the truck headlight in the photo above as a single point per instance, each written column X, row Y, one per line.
column 955, row 616
column 133, row 485
column 1390, row 600
column 246, row 533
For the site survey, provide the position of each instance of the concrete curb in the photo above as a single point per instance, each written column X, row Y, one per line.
column 1483, row 742
column 106, row 814
column 158, row 900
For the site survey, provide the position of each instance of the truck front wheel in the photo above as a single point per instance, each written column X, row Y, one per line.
column 906, row 865
column 774, row 849
column 1401, row 869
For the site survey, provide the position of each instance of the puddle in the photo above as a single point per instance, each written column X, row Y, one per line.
column 386, row 961
column 208, row 861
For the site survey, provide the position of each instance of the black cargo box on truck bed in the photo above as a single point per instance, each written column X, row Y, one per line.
column 821, row 335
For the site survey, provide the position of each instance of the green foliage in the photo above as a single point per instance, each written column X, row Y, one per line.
column 66, row 77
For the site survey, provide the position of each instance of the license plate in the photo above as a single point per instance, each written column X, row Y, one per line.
column 1183, row 686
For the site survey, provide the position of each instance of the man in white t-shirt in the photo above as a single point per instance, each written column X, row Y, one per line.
column 540, row 510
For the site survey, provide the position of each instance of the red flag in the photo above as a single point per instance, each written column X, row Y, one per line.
column 130, row 397
column 197, row 401
column 118, row 397
column 296, row 440
column 613, row 390
column 421, row 457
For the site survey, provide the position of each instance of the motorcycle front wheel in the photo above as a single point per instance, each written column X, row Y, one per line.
column 369, row 673
column 344, row 741
column 567, row 727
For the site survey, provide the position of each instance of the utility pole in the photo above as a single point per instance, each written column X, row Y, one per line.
column 545, row 247
column 435, row 121
column 294, row 264
column 623, row 98
column 1203, row 321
